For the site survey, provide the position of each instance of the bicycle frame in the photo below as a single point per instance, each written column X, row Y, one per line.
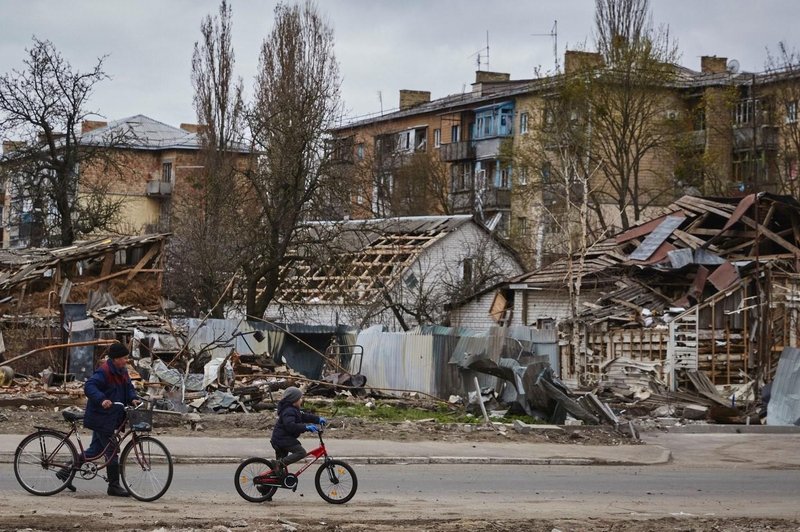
column 117, row 438
column 317, row 453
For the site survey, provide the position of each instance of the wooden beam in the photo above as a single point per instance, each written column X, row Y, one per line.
column 117, row 274
column 771, row 235
column 141, row 264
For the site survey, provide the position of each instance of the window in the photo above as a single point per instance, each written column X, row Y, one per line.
column 522, row 226
column 455, row 133
column 360, row 151
column 546, row 171
column 437, row 138
column 505, row 177
column 523, row 176
column 523, row 123
column 166, row 172
column 466, row 270
column 791, row 112
column 746, row 111
column 699, row 119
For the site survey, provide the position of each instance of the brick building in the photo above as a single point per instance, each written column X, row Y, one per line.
column 151, row 165
column 731, row 133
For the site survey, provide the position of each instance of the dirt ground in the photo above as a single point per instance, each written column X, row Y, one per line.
column 32, row 523
column 21, row 420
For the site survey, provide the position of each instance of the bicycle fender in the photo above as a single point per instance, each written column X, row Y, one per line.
column 48, row 429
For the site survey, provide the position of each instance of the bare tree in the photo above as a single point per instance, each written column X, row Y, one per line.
column 296, row 103
column 784, row 66
column 42, row 108
column 627, row 106
column 205, row 250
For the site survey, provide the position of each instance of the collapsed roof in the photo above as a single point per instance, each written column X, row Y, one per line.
column 699, row 246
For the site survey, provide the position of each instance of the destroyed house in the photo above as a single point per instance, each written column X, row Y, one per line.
column 396, row 272
column 712, row 286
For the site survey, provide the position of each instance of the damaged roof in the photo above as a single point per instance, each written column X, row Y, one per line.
column 363, row 257
column 699, row 242
column 18, row 266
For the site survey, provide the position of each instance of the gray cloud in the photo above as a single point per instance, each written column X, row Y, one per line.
column 382, row 46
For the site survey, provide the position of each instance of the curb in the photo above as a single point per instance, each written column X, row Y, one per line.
column 664, row 457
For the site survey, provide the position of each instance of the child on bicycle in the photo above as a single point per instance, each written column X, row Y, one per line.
column 292, row 422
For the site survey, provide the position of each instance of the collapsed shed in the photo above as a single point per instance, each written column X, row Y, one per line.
column 711, row 286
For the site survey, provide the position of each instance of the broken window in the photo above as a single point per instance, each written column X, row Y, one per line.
column 523, row 123
column 437, row 138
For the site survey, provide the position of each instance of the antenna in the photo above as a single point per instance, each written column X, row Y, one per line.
column 554, row 35
column 479, row 55
column 733, row 66
column 380, row 99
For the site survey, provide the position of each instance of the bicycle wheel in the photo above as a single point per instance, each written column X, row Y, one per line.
column 336, row 482
column 38, row 459
column 146, row 468
column 243, row 480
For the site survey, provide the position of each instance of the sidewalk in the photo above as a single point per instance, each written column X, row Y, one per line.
column 725, row 447
column 201, row 449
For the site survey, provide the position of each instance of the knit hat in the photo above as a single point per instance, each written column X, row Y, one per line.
column 292, row 394
column 117, row 350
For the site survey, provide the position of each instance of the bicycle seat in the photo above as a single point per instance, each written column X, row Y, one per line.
column 72, row 416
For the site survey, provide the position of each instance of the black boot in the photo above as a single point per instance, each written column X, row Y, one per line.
column 63, row 474
column 114, row 487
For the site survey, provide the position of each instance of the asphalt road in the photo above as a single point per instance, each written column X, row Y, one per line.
column 206, row 492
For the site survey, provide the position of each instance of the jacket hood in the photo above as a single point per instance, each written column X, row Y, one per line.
column 283, row 404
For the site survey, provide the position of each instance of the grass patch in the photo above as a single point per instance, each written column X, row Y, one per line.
column 390, row 413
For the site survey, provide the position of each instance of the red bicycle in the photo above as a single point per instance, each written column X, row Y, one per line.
column 256, row 479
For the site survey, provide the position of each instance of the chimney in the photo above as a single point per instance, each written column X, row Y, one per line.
column 191, row 128
column 575, row 61
column 712, row 64
column 90, row 125
column 484, row 76
column 409, row 99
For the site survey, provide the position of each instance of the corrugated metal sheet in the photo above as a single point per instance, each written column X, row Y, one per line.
column 784, row 403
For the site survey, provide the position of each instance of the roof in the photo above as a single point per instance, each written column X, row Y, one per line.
column 490, row 92
column 363, row 257
column 22, row 265
column 699, row 244
column 143, row 133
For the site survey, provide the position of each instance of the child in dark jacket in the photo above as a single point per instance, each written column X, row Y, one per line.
column 292, row 422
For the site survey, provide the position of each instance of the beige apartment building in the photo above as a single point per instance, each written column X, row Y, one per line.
column 729, row 133
column 151, row 164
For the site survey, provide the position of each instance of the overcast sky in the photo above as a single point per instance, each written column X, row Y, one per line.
column 382, row 46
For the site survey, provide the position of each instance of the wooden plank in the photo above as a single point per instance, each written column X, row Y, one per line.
column 143, row 262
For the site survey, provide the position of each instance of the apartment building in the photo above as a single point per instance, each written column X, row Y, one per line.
column 148, row 164
column 729, row 132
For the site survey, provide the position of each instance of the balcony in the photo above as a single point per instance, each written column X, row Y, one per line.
column 457, row 151
column 158, row 188
column 463, row 201
column 766, row 138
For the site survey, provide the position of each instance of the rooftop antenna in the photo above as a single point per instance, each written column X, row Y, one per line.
column 554, row 35
column 479, row 55
column 380, row 99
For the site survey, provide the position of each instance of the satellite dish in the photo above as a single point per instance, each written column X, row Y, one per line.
column 733, row 66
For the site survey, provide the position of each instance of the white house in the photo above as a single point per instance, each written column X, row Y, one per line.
column 397, row 272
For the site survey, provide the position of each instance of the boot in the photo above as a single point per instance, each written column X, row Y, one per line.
column 114, row 487
column 63, row 474
column 280, row 470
